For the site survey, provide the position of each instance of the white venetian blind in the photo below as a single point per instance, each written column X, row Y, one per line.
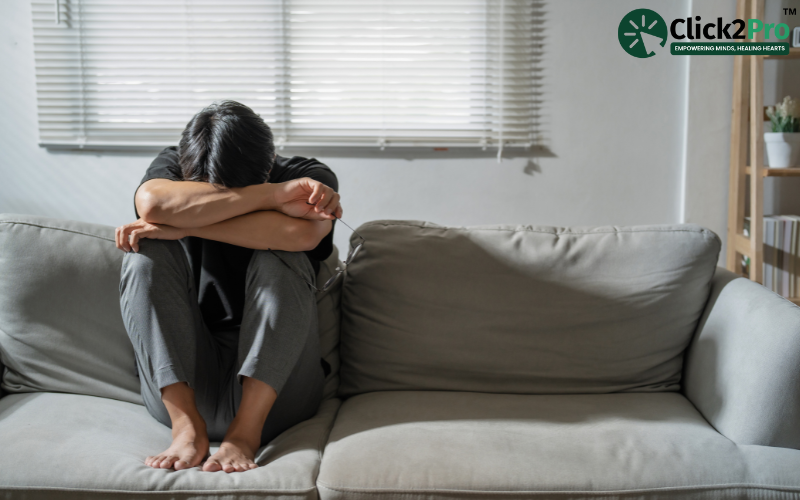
column 320, row 72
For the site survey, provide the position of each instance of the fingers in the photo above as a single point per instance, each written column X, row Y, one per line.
column 325, row 200
column 327, row 205
column 136, row 235
column 316, row 193
column 121, row 237
column 123, row 233
column 133, row 240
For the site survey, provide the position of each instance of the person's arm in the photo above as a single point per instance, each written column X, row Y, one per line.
column 266, row 230
column 188, row 204
column 257, row 230
column 301, row 214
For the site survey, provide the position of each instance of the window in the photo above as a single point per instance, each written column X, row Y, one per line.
column 441, row 73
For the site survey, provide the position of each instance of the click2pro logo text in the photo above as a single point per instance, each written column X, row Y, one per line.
column 734, row 30
column 642, row 31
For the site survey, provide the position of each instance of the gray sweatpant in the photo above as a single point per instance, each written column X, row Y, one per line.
column 277, row 343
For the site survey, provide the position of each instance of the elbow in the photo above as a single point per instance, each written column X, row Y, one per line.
column 309, row 234
column 148, row 206
column 309, row 241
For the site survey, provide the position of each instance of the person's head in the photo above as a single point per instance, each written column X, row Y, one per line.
column 227, row 144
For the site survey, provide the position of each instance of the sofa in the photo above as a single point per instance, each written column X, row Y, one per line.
column 478, row 362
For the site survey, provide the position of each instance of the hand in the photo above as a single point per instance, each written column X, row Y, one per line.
column 306, row 198
column 127, row 237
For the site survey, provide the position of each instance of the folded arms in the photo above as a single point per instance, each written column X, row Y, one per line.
column 293, row 216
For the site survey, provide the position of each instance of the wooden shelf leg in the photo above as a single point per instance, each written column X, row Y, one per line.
column 757, row 154
column 738, row 153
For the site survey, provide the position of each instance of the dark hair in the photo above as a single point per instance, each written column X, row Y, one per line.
column 227, row 144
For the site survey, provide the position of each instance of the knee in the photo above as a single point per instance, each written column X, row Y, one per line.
column 276, row 263
column 152, row 254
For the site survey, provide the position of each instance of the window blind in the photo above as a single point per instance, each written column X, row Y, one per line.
column 440, row 73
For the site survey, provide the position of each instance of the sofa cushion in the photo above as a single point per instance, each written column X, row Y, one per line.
column 445, row 445
column 61, row 329
column 521, row 309
column 65, row 446
column 329, row 312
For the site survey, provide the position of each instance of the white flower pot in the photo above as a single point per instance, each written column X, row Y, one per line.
column 783, row 149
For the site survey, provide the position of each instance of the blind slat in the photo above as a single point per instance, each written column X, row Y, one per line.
column 349, row 73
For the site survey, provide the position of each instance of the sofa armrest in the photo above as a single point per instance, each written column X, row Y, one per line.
column 742, row 368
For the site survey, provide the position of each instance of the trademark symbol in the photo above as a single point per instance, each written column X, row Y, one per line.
column 789, row 12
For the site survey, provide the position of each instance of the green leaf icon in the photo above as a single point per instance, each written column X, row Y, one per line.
column 640, row 31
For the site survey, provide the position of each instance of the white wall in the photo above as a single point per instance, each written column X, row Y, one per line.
column 615, row 125
column 709, row 86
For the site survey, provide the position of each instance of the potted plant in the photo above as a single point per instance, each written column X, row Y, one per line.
column 783, row 143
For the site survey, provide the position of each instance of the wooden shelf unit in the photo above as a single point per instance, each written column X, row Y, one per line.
column 748, row 102
column 777, row 172
column 794, row 53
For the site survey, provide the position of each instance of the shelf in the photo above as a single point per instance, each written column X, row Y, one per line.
column 746, row 184
column 778, row 172
column 794, row 53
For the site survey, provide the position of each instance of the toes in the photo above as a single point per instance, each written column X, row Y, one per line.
column 212, row 466
column 167, row 462
column 229, row 468
column 188, row 461
column 252, row 466
column 239, row 467
column 182, row 464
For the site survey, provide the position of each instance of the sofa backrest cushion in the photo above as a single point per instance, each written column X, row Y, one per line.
column 61, row 329
column 521, row 309
column 329, row 313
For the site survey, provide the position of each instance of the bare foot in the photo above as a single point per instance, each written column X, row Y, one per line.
column 238, row 448
column 234, row 455
column 189, row 446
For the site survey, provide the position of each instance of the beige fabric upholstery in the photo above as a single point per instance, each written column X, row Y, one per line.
column 520, row 309
column 743, row 367
column 329, row 311
column 63, row 446
column 60, row 324
column 446, row 445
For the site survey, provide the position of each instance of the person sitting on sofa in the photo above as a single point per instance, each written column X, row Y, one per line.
column 216, row 288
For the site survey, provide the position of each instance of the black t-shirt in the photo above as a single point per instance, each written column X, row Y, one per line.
column 220, row 268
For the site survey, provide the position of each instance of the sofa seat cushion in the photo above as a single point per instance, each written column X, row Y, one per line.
column 445, row 445
column 65, row 446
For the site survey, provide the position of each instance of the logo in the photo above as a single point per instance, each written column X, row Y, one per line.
column 640, row 31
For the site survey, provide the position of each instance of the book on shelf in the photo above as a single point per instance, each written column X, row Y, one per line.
column 781, row 267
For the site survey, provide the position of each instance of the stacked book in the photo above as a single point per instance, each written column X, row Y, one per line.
column 781, row 253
